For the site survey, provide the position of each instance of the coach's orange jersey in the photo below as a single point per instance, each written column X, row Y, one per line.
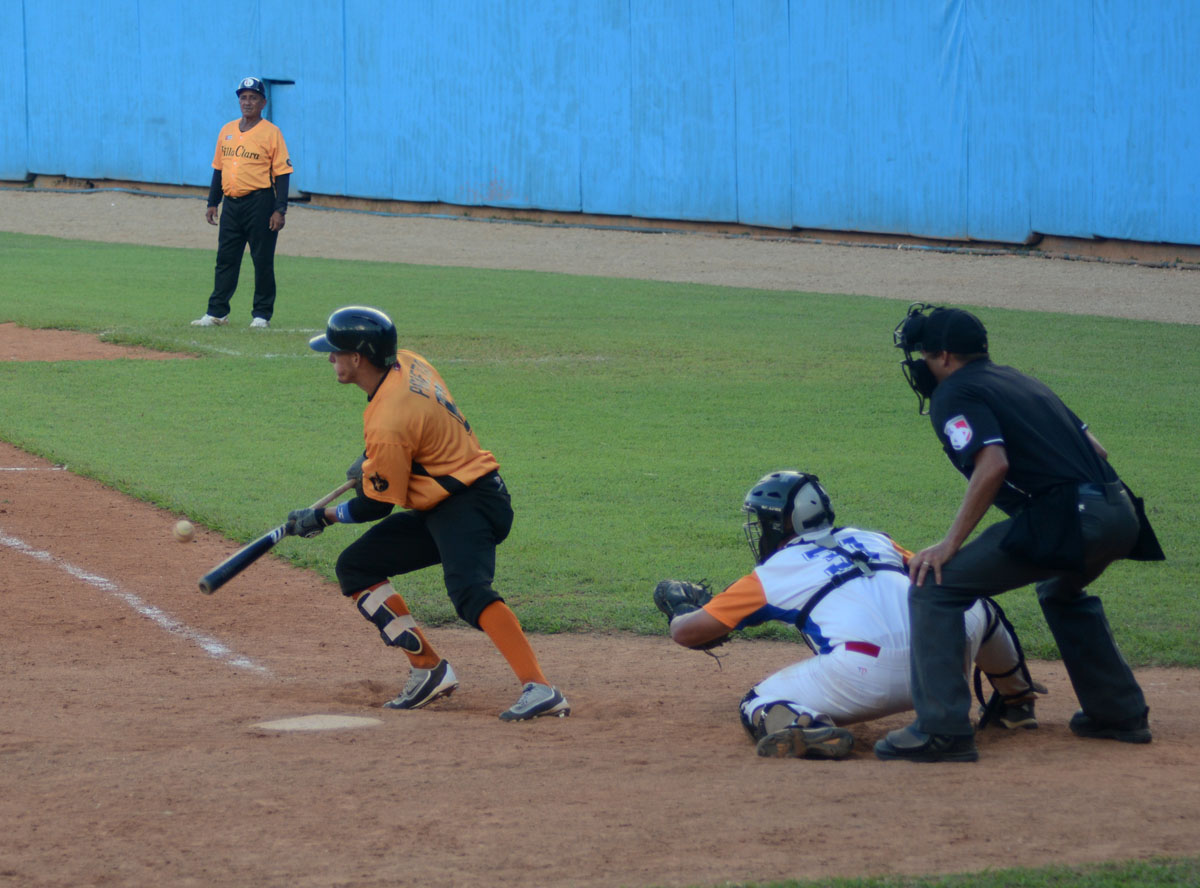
column 250, row 160
column 414, row 435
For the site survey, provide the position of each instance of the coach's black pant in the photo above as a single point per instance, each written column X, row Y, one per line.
column 245, row 220
column 460, row 533
column 1103, row 681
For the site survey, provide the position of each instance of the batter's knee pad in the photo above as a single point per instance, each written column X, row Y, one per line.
column 387, row 610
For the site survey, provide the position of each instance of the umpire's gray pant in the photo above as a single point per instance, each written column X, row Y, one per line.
column 1102, row 679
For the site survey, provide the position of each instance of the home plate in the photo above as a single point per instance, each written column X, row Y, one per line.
column 318, row 723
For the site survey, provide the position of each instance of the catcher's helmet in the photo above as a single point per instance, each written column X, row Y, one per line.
column 253, row 84
column 357, row 328
column 782, row 504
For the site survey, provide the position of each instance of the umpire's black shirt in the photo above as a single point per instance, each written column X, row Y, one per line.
column 983, row 403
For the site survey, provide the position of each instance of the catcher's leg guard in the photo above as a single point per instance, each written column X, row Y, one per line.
column 386, row 609
column 761, row 717
column 1002, row 660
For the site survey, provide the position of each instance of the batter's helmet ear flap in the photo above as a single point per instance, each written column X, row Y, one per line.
column 357, row 328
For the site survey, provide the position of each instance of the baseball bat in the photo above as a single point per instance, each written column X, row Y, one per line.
column 251, row 552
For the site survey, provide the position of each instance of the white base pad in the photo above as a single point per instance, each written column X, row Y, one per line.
column 318, row 723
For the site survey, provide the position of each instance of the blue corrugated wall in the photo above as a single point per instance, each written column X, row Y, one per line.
column 960, row 119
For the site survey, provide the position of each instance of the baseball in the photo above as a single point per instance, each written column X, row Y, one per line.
column 184, row 532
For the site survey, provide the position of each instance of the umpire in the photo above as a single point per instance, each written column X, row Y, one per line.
column 1070, row 516
column 251, row 168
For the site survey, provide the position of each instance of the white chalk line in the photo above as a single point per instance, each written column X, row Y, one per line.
column 33, row 468
column 211, row 646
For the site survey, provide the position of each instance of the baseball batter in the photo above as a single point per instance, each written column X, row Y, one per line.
column 422, row 455
column 252, row 171
column 846, row 590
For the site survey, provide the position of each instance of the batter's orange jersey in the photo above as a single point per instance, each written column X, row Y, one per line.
column 250, row 160
column 415, row 435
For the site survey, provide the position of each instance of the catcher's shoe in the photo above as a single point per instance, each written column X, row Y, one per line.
column 537, row 700
column 1016, row 715
column 1132, row 730
column 909, row 744
column 424, row 686
column 797, row 741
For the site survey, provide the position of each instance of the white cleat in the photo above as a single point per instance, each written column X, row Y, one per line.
column 209, row 321
column 537, row 700
column 259, row 324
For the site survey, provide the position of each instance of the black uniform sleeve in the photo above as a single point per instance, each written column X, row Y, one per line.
column 281, row 192
column 214, row 190
column 363, row 508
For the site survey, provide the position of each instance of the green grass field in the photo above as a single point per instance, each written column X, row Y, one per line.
column 629, row 417
column 1140, row 874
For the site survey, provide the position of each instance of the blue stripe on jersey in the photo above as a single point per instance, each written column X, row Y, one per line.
column 766, row 613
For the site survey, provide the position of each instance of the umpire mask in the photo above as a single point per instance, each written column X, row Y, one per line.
column 908, row 336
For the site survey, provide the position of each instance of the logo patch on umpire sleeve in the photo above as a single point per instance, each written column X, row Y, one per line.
column 379, row 482
column 958, row 430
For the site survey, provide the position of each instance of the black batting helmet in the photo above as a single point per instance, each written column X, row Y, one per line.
column 357, row 328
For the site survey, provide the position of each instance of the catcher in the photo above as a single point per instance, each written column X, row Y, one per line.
column 846, row 590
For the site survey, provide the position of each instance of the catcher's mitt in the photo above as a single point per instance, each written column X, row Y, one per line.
column 677, row 597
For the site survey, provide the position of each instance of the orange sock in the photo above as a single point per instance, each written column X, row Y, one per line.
column 504, row 629
column 389, row 612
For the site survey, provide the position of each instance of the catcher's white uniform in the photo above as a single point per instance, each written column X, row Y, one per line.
column 858, row 628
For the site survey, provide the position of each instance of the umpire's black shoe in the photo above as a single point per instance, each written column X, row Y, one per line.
column 1131, row 730
column 909, row 744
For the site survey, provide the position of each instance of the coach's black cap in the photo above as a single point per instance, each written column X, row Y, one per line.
column 955, row 331
column 253, row 84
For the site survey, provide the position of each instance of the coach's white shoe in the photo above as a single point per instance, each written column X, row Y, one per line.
column 259, row 324
column 209, row 321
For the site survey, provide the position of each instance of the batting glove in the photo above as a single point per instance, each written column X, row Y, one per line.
column 305, row 523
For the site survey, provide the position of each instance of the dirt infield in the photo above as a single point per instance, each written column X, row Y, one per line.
column 130, row 752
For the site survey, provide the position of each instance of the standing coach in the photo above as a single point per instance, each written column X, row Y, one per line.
column 1070, row 516
column 251, row 168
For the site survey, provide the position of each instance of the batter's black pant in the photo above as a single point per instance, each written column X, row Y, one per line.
column 1103, row 681
column 460, row 533
column 245, row 220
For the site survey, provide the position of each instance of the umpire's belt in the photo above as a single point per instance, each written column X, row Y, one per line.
column 1112, row 492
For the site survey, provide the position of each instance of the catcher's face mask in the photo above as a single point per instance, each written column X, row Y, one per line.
column 764, row 533
column 908, row 336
